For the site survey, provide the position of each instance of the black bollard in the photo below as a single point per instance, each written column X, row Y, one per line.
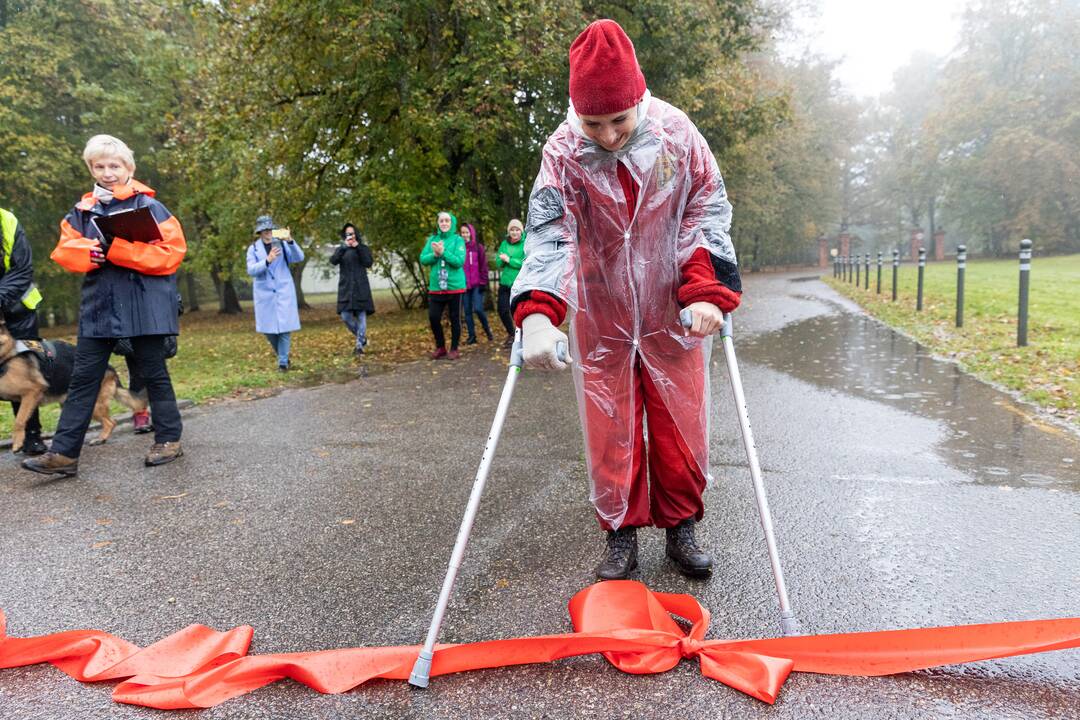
column 961, row 262
column 843, row 269
column 922, row 268
column 895, row 271
column 878, row 272
column 835, row 266
column 857, row 268
column 1025, row 279
column 866, row 277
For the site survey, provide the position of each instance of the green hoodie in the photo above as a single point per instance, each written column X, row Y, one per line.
column 447, row 272
column 516, row 253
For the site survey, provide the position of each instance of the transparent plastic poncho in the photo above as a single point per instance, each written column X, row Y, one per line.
column 620, row 279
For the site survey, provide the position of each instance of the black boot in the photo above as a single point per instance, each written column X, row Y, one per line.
column 621, row 558
column 682, row 548
column 33, row 444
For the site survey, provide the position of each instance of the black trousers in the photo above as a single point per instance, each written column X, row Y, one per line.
column 451, row 302
column 27, row 329
column 504, row 309
column 91, row 361
column 135, row 381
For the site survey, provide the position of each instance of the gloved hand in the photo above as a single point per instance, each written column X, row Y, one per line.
column 539, row 339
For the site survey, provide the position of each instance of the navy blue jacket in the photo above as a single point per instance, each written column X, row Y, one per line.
column 134, row 293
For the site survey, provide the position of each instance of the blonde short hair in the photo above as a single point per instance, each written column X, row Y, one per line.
column 101, row 146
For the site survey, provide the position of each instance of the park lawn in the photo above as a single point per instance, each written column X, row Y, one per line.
column 1047, row 371
column 222, row 356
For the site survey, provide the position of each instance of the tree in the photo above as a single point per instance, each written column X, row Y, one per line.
column 786, row 183
column 384, row 113
column 1010, row 138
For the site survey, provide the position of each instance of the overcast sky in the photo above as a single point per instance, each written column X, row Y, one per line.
column 873, row 38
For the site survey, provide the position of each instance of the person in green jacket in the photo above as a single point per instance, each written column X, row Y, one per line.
column 444, row 253
column 511, row 255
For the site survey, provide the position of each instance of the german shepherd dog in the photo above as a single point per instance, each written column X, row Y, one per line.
column 30, row 381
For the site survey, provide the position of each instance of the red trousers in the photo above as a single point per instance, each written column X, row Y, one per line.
column 670, row 491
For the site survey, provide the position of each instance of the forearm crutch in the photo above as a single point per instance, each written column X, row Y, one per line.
column 789, row 625
column 421, row 672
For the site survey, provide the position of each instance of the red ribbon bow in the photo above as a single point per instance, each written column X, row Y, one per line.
column 631, row 625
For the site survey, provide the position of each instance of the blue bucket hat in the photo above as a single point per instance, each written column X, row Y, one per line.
column 263, row 222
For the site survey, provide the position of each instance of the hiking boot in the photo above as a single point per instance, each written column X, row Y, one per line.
column 52, row 463
column 471, row 341
column 358, row 350
column 621, row 558
column 33, row 445
column 682, row 548
column 453, row 355
column 141, row 421
column 162, row 453
column 438, row 353
column 508, row 342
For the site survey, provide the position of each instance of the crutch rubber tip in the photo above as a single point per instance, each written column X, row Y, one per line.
column 421, row 672
column 789, row 626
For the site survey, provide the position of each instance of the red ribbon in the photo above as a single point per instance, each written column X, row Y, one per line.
column 632, row 626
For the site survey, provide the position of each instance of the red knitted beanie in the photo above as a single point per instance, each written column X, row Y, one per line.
column 604, row 74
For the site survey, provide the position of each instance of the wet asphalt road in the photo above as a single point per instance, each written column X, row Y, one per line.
column 905, row 494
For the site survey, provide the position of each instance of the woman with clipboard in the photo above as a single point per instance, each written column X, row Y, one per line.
column 129, row 292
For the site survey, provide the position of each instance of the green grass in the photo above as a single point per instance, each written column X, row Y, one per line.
column 223, row 357
column 1047, row 371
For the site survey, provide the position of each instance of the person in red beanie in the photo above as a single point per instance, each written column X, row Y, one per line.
column 628, row 224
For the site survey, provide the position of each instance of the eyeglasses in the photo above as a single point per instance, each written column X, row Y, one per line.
column 350, row 234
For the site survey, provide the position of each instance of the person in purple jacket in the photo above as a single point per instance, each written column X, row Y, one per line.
column 476, row 282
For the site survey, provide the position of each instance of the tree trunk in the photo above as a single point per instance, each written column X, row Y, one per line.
column 297, row 271
column 930, row 216
column 228, row 301
column 192, row 291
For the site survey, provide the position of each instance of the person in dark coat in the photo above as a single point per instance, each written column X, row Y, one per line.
column 129, row 292
column 354, row 301
column 18, row 302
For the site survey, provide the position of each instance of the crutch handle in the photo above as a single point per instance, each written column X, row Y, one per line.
column 517, row 358
column 686, row 319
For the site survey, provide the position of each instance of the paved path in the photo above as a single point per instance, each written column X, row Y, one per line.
column 905, row 495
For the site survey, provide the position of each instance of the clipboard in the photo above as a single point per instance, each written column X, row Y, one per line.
column 137, row 225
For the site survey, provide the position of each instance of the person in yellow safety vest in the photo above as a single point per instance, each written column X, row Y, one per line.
column 19, row 299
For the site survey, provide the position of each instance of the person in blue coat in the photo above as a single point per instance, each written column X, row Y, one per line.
column 268, row 260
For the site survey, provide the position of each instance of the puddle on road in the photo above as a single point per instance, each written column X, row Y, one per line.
column 991, row 437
